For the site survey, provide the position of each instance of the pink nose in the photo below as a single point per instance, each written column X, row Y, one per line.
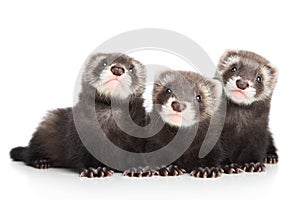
column 178, row 107
column 242, row 84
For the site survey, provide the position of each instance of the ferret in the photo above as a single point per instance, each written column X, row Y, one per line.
column 248, row 80
column 184, row 102
column 56, row 142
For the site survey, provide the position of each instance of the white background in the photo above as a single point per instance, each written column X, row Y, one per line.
column 43, row 46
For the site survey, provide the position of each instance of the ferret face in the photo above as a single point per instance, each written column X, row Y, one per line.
column 246, row 76
column 115, row 75
column 183, row 98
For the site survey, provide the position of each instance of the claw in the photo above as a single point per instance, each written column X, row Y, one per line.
column 82, row 174
column 148, row 174
column 205, row 175
column 192, row 173
column 125, row 173
column 155, row 172
column 231, row 171
column 213, row 175
column 198, row 174
column 175, row 173
column 110, row 172
column 165, row 173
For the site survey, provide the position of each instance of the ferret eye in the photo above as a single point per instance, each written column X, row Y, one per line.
column 198, row 98
column 103, row 63
column 131, row 68
column 168, row 91
column 233, row 68
column 258, row 79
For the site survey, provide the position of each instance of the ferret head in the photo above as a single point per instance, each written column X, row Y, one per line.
column 246, row 76
column 115, row 75
column 184, row 98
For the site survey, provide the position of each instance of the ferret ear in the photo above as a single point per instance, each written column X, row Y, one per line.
column 158, row 81
column 273, row 71
column 228, row 53
column 216, row 91
column 94, row 56
column 164, row 77
column 137, row 63
column 141, row 69
column 91, row 57
column 227, row 56
column 158, row 76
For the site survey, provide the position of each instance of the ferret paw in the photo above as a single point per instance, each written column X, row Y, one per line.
column 42, row 164
column 254, row 167
column 271, row 159
column 232, row 168
column 96, row 172
column 138, row 172
column 171, row 170
column 206, row 172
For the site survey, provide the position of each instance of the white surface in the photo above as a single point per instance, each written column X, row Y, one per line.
column 43, row 45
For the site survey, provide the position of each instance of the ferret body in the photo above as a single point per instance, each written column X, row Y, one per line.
column 184, row 102
column 248, row 81
column 56, row 142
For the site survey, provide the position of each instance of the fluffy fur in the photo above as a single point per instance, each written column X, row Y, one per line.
column 248, row 80
column 194, row 100
column 56, row 142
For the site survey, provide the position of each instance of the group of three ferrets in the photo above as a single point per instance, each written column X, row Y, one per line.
column 185, row 103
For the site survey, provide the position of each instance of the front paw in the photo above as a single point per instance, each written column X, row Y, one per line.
column 96, row 172
column 138, row 172
column 271, row 159
column 232, row 168
column 254, row 167
column 206, row 172
column 171, row 170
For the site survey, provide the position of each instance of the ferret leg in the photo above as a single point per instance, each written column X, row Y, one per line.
column 271, row 156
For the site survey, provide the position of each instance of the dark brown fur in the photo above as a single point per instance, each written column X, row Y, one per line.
column 246, row 138
column 56, row 139
column 185, row 87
